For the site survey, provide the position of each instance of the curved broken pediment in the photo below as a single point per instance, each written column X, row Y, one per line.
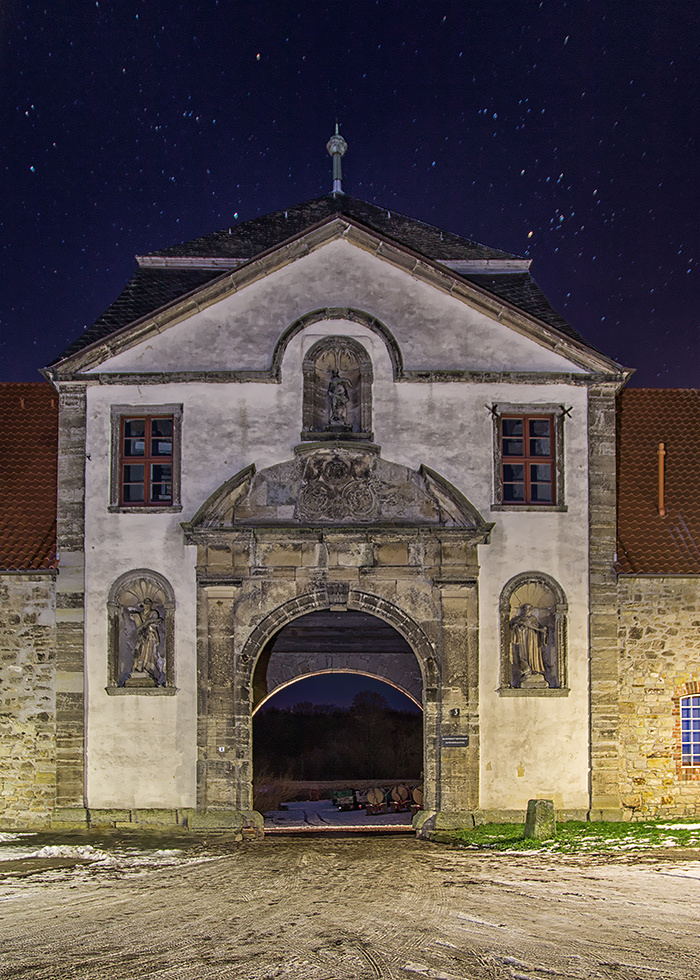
column 333, row 484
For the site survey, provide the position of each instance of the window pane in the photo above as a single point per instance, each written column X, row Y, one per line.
column 134, row 447
column 514, row 492
column 540, row 427
column 513, row 447
column 512, row 427
column 541, row 473
column 133, row 473
column 161, row 427
column 161, row 485
column 513, row 473
column 132, row 493
column 134, row 427
column 540, row 447
column 541, row 493
column 161, row 447
column 161, row 473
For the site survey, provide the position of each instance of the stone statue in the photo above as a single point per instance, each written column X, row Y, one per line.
column 147, row 620
column 528, row 639
column 339, row 396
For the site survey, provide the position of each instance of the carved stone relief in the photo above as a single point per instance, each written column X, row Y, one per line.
column 338, row 484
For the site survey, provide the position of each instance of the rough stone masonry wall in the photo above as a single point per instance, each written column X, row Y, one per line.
column 659, row 631
column 27, row 699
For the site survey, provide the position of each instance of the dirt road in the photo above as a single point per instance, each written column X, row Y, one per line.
column 325, row 909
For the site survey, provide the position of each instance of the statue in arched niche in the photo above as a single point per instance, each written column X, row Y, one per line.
column 141, row 613
column 147, row 658
column 533, row 635
column 337, row 390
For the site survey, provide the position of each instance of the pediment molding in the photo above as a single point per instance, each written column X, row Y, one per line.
column 334, row 485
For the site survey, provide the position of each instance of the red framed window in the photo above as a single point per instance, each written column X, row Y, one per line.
column 146, row 461
column 527, row 459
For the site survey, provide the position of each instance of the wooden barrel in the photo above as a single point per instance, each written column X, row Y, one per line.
column 375, row 796
column 418, row 796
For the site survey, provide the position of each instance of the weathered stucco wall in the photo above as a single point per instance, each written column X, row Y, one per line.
column 659, row 634
column 27, row 702
column 141, row 751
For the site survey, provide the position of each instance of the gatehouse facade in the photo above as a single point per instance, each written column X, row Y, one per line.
column 329, row 415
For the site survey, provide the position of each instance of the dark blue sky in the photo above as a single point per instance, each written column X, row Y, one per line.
column 563, row 131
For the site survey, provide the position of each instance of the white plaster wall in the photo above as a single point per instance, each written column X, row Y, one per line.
column 142, row 750
column 434, row 330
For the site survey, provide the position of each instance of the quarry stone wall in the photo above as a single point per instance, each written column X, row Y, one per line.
column 659, row 635
column 27, row 699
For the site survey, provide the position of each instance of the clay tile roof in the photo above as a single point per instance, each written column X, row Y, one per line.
column 648, row 544
column 28, row 464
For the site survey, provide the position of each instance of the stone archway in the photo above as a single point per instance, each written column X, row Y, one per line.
column 400, row 547
column 341, row 601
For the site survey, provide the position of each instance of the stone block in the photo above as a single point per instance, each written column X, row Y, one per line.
column 541, row 821
column 154, row 818
column 69, row 818
column 235, row 820
column 391, row 553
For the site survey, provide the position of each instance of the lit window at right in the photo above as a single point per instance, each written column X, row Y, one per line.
column 527, row 447
column 690, row 731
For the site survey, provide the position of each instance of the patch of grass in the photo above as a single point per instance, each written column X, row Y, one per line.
column 579, row 836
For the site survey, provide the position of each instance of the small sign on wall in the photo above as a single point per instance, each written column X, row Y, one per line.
column 454, row 741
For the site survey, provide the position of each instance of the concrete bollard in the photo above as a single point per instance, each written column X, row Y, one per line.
column 540, row 823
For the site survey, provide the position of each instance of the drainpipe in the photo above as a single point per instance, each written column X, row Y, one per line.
column 662, row 453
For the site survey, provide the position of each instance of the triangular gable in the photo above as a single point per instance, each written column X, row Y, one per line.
column 456, row 285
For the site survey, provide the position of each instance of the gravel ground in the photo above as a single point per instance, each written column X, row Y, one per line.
column 325, row 908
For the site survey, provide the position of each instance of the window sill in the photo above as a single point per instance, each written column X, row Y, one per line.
column 336, row 436
column 533, row 692
column 162, row 692
column 169, row 509
column 532, row 508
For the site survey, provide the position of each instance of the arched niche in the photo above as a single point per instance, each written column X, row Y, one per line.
column 337, row 398
column 347, row 314
column 533, row 613
column 141, row 610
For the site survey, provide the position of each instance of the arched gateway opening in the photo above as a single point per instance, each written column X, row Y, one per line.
column 311, row 748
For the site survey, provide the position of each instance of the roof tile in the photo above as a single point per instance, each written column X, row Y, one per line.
column 28, row 469
column 649, row 544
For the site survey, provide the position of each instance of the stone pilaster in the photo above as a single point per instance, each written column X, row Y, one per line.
column 70, row 613
column 224, row 765
column 604, row 672
column 459, row 709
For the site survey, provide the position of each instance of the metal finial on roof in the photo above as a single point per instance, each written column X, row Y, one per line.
column 337, row 146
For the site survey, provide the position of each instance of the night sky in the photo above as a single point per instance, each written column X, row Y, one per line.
column 567, row 132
